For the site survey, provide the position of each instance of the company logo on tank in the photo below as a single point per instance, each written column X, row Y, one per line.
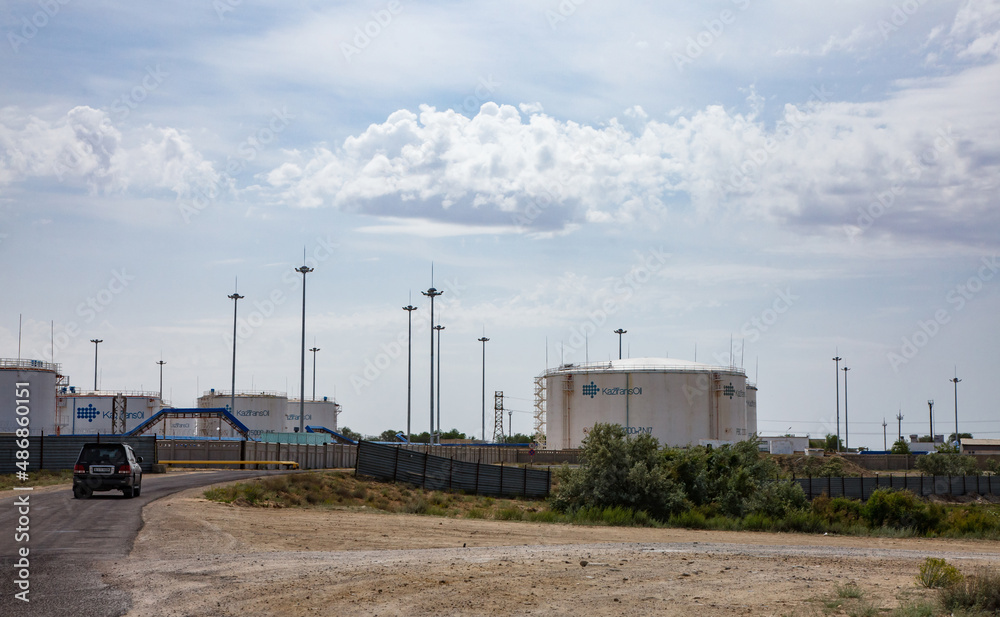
column 253, row 412
column 629, row 430
column 591, row 389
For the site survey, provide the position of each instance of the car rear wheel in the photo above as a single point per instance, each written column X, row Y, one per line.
column 128, row 492
column 138, row 489
column 81, row 492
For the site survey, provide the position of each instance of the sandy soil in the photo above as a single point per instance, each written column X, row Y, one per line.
column 201, row 558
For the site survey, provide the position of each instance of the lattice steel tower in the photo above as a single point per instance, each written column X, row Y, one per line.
column 498, row 416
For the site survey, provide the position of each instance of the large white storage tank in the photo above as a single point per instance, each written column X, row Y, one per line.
column 261, row 412
column 676, row 401
column 86, row 412
column 318, row 413
column 41, row 378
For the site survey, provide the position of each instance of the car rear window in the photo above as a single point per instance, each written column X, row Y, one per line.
column 109, row 454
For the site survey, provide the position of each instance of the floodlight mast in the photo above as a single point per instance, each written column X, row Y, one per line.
column 304, row 270
column 409, row 366
column 432, row 293
column 96, row 342
column 483, row 341
column 235, row 297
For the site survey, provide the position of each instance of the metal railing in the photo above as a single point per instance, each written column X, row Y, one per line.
column 597, row 367
column 23, row 363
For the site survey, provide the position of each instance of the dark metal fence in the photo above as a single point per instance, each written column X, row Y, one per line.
column 60, row 452
column 862, row 487
column 439, row 473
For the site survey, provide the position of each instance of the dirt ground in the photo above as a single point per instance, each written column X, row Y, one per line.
column 203, row 558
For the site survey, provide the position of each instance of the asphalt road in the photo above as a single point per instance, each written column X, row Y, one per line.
column 71, row 540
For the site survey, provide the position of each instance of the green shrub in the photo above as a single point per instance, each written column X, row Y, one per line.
column 936, row 572
column 901, row 510
column 939, row 464
column 915, row 609
column 977, row 592
column 617, row 471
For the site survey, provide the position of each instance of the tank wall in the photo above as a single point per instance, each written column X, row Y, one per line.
column 678, row 408
column 318, row 413
column 261, row 414
column 87, row 414
column 41, row 397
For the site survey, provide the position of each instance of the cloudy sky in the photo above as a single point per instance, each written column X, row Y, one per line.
column 801, row 179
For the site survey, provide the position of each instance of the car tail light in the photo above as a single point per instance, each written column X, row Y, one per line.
column 78, row 468
column 124, row 468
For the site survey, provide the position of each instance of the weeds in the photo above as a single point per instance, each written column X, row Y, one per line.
column 938, row 573
column 978, row 592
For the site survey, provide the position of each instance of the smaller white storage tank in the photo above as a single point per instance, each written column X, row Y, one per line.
column 40, row 379
column 318, row 413
column 86, row 412
column 261, row 412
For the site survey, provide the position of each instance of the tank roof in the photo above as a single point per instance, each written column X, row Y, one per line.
column 645, row 365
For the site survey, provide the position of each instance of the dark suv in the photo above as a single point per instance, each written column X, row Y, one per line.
column 107, row 467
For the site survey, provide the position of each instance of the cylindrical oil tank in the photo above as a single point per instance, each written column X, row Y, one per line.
column 676, row 401
column 321, row 412
column 85, row 412
column 38, row 379
column 261, row 412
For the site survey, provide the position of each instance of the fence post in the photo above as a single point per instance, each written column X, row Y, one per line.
column 451, row 472
column 426, row 456
column 843, row 486
column 356, row 459
column 395, row 465
column 862, row 486
column 501, row 477
column 524, row 485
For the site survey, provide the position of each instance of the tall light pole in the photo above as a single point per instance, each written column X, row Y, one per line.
column 930, row 408
column 161, row 363
column 304, row 270
column 847, row 431
column 236, row 297
column 899, row 426
column 314, row 350
column 510, row 425
column 439, row 327
column 885, row 446
column 409, row 308
column 483, row 341
column 432, row 293
column 955, row 381
column 620, row 332
column 837, row 359
column 96, row 342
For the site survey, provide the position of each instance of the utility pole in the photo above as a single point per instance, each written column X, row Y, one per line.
column 847, row 431
column 930, row 407
column 837, row 359
column 955, row 381
column 885, row 445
